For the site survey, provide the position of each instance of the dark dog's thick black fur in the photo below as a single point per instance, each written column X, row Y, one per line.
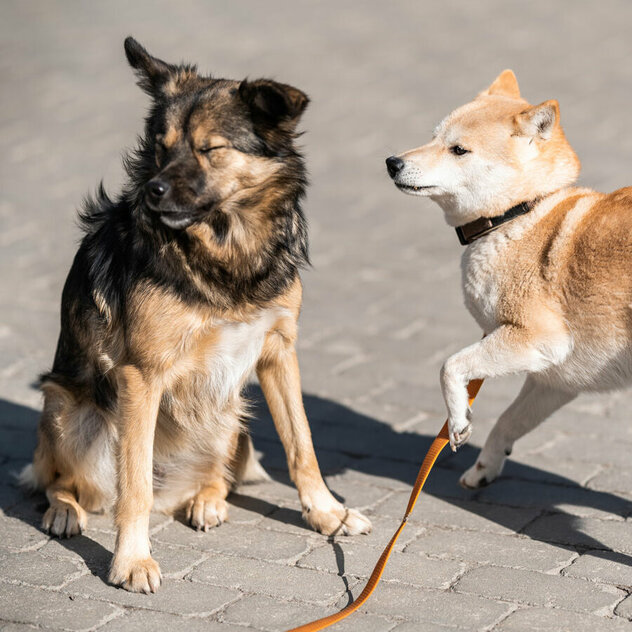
column 138, row 241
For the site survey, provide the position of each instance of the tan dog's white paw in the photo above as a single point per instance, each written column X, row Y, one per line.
column 64, row 520
column 339, row 520
column 136, row 575
column 206, row 511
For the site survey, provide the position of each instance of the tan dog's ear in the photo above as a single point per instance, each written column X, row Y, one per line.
column 538, row 120
column 505, row 85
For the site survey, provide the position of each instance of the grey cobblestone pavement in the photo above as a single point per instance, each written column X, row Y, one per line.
column 549, row 546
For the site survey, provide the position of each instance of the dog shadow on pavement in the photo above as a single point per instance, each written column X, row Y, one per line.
column 345, row 440
column 524, row 499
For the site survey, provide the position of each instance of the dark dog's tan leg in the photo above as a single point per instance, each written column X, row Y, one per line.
column 208, row 508
column 132, row 566
column 65, row 517
column 279, row 377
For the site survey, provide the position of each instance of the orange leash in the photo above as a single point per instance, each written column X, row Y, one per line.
column 438, row 444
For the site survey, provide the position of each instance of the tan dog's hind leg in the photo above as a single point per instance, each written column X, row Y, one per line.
column 506, row 350
column 280, row 381
column 65, row 517
column 533, row 405
column 132, row 566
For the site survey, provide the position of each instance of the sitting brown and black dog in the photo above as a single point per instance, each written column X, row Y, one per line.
column 182, row 286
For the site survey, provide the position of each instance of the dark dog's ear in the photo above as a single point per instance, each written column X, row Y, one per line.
column 152, row 72
column 276, row 104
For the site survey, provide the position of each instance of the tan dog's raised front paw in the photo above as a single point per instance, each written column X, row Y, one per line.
column 337, row 520
column 136, row 575
column 460, row 430
column 457, row 439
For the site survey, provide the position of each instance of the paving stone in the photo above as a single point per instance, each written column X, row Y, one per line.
column 491, row 548
column 54, row 610
column 432, row 606
column 16, row 444
column 91, row 548
column 459, row 514
column 547, row 619
column 288, row 520
column 33, row 568
column 270, row 493
column 385, row 473
column 357, row 560
column 574, row 500
column 356, row 495
column 174, row 597
column 587, row 532
column 18, row 535
column 16, row 627
column 383, row 529
column 266, row 613
column 539, row 468
column 613, row 479
column 539, row 589
column 176, row 562
column 583, row 449
column 605, row 567
column 242, row 540
column 275, row 580
column 624, row 609
column 428, row 627
column 9, row 496
column 143, row 620
column 245, row 509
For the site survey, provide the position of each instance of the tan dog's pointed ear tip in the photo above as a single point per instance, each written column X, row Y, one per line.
column 553, row 103
column 506, row 85
column 508, row 73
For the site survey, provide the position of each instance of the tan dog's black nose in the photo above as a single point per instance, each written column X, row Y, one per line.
column 394, row 165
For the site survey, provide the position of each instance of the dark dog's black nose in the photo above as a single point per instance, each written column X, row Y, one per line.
column 157, row 188
column 394, row 165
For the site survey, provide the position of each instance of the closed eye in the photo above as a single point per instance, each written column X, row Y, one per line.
column 208, row 150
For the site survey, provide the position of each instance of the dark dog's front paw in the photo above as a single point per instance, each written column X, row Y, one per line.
column 136, row 575
column 64, row 519
column 206, row 511
column 337, row 520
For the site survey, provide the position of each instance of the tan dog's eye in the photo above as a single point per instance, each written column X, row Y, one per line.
column 457, row 150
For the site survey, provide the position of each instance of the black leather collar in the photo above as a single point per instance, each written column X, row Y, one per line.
column 483, row 225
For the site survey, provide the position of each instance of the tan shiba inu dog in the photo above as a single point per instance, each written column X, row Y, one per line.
column 547, row 270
